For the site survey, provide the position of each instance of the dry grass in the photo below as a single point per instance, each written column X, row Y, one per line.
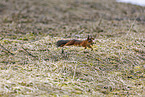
column 30, row 29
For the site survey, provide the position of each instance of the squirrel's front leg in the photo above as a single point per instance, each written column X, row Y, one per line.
column 89, row 46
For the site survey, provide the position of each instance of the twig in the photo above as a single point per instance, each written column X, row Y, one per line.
column 28, row 53
column 6, row 50
column 100, row 21
column 62, row 51
column 131, row 26
column 75, row 71
column 76, row 33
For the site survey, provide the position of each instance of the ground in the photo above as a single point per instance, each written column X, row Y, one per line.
column 32, row 65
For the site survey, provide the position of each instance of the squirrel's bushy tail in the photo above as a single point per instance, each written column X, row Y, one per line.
column 61, row 43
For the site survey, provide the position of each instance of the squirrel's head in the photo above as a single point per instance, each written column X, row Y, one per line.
column 90, row 39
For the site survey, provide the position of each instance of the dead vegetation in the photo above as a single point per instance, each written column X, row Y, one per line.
column 31, row 64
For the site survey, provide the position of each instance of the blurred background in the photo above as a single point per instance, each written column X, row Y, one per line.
column 32, row 65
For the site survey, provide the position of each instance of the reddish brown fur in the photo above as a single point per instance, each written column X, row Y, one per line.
column 85, row 43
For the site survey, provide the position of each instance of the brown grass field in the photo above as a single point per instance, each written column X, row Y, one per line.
column 31, row 65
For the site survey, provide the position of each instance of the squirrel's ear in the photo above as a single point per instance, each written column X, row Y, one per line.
column 88, row 37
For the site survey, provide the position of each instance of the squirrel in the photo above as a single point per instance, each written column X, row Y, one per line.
column 85, row 43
